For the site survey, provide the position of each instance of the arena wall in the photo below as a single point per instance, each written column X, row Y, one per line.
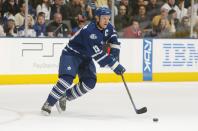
column 35, row 60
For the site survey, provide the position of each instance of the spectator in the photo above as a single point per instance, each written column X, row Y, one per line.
column 163, row 29
column 153, row 8
column 2, row 33
column 20, row 17
column 143, row 2
column 132, row 3
column 182, row 10
column 195, row 13
column 9, row 28
column 40, row 26
column 34, row 3
column 86, row 10
column 31, row 8
column 92, row 5
column 30, row 31
column 133, row 31
column 174, row 22
column 7, row 14
column 117, row 2
column 194, row 18
column 143, row 18
column 170, row 4
column 64, row 2
column 163, row 15
column 101, row 3
column 10, row 6
column 128, row 8
column 45, row 7
column 58, row 7
column 187, row 3
column 81, row 22
column 122, row 19
column 57, row 28
column 110, row 7
column 183, row 30
column 138, row 3
column 72, row 14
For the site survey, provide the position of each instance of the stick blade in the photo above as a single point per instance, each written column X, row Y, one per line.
column 142, row 110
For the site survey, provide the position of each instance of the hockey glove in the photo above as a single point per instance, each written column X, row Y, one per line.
column 115, row 50
column 119, row 69
column 115, row 53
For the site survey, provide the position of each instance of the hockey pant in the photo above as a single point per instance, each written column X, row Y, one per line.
column 69, row 67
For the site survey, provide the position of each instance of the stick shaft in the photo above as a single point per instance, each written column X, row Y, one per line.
column 129, row 94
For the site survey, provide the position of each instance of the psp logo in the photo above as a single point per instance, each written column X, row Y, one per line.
column 39, row 49
column 147, row 59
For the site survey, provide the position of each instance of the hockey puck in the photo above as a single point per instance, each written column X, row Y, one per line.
column 155, row 119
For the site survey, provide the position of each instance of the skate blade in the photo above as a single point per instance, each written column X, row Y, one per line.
column 58, row 108
column 45, row 113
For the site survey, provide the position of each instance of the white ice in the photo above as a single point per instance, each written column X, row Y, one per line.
column 106, row 108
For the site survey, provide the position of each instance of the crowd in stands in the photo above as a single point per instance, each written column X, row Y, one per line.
column 133, row 18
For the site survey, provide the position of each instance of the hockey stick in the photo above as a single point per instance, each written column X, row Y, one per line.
column 138, row 111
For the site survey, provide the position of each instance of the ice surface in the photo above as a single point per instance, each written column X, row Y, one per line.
column 106, row 108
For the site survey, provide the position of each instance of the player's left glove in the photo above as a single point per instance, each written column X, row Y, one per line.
column 119, row 70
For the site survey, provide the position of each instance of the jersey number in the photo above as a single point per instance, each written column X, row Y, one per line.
column 96, row 49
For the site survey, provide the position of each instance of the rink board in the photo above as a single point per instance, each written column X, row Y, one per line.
column 35, row 60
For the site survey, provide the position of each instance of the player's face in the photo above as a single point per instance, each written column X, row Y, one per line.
column 103, row 21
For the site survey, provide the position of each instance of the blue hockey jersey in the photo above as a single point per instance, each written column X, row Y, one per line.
column 89, row 41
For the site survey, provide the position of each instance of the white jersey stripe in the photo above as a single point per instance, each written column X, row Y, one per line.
column 72, row 49
column 115, row 46
column 114, row 65
column 102, row 58
column 65, row 50
column 97, row 54
column 114, row 35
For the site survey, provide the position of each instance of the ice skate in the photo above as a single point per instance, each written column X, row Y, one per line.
column 61, row 104
column 46, row 109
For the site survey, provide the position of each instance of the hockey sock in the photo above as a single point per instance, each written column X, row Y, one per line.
column 80, row 89
column 59, row 89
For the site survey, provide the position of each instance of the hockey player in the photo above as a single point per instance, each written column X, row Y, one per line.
column 77, row 59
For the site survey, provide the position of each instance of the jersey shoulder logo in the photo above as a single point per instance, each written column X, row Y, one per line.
column 93, row 36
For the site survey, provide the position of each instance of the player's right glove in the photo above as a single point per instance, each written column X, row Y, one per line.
column 118, row 69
